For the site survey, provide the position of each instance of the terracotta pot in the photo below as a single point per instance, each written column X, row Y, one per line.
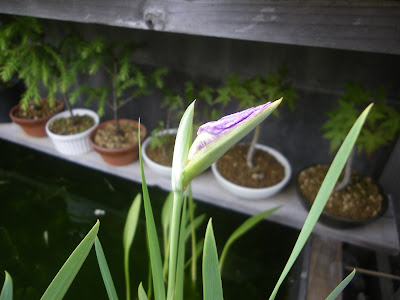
column 256, row 193
column 121, row 156
column 33, row 127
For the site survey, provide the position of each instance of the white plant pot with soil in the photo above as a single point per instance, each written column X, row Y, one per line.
column 73, row 144
column 158, row 168
column 256, row 193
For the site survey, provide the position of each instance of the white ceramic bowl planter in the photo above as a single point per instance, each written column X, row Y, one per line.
column 256, row 193
column 73, row 144
column 162, row 170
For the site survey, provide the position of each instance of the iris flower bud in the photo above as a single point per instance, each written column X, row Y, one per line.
column 217, row 137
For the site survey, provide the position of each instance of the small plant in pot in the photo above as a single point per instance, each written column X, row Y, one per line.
column 356, row 199
column 69, row 130
column 255, row 171
column 26, row 53
column 117, row 140
column 158, row 149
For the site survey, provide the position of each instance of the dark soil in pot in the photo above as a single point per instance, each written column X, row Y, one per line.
column 163, row 153
column 360, row 200
column 71, row 125
column 107, row 137
column 267, row 170
column 43, row 110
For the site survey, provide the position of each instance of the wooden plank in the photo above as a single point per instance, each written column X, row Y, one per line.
column 372, row 26
column 325, row 271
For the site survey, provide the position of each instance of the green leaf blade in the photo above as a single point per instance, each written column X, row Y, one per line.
column 242, row 229
column 7, row 290
column 62, row 281
column 336, row 292
column 105, row 271
column 154, row 246
column 212, row 283
column 323, row 195
column 128, row 236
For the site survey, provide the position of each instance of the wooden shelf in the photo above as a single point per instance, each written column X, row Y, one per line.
column 368, row 25
column 380, row 235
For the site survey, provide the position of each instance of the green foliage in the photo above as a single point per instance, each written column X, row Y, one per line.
column 339, row 289
column 381, row 126
column 27, row 52
column 62, row 281
column 207, row 99
column 127, row 80
column 258, row 90
column 241, row 230
column 212, row 284
column 24, row 52
column 105, row 271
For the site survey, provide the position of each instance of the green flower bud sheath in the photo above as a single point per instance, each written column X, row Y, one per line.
column 215, row 138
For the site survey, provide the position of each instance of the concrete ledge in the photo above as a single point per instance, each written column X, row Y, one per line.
column 380, row 235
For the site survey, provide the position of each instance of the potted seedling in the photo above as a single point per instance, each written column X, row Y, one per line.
column 69, row 130
column 356, row 199
column 116, row 140
column 25, row 52
column 255, row 171
column 158, row 148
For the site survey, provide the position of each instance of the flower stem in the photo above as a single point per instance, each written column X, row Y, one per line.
column 174, row 236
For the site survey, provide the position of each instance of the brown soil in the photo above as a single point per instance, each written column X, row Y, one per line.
column 38, row 111
column 163, row 154
column 71, row 125
column 106, row 136
column 267, row 170
column 360, row 200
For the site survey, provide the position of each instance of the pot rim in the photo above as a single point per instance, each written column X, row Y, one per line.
column 25, row 120
column 143, row 132
column 281, row 159
column 79, row 111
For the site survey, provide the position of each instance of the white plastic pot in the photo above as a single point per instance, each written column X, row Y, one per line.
column 73, row 144
column 162, row 170
column 256, row 193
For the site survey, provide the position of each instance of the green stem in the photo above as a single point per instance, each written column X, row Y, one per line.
column 127, row 279
column 191, row 213
column 174, row 236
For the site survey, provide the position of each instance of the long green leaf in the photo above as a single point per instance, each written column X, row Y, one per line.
column 212, row 283
column 128, row 236
column 335, row 293
column 61, row 282
column 323, row 195
column 105, row 271
column 241, row 230
column 7, row 290
column 154, row 246
column 141, row 293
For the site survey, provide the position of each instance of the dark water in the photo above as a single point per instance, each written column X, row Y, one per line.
column 47, row 206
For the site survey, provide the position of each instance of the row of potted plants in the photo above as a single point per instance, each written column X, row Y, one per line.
column 252, row 171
